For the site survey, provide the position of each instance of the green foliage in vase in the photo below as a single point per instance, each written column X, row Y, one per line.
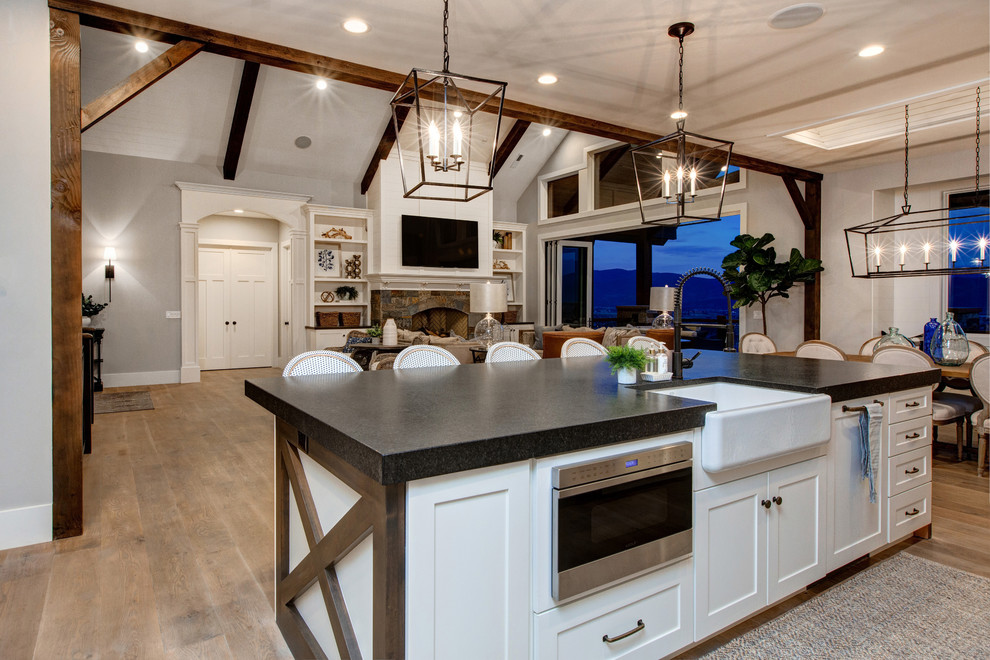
column 90, row 308
column 375, row 331
column 346, row 293
column 755, row 276
column 626, row 357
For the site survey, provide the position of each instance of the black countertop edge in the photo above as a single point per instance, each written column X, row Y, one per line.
column 449, row 458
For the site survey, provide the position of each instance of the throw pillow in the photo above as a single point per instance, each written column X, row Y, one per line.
column 538, row 334
column 349, row 346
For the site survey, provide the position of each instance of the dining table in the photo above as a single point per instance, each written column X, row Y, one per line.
column 959, row 371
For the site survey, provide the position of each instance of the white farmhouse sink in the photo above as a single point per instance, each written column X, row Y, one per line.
column 755, row 423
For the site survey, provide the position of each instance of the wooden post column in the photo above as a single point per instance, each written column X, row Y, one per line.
column 67, row 375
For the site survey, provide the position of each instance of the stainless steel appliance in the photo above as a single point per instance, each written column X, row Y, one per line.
column 616, row 517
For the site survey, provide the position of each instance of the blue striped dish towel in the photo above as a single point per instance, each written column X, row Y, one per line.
column 870, row 423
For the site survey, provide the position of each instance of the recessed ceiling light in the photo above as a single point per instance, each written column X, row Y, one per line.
column 680, row 114
column 238, row 210
column 871, row 51
column 547, row 79
column 321, row 83
column 796, row 16
column 141, row 46
column 546, row 132
column 356, row 26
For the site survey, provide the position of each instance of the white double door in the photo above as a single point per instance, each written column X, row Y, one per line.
column 236, row 321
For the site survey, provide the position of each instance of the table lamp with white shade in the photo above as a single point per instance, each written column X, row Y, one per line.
column 662, row 301
column 488, row 298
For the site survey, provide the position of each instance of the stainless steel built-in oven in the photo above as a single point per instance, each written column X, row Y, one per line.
column 616, row 517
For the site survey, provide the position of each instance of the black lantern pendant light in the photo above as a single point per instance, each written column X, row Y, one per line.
column 456, row 120
column 939, row 241
column 679, row 166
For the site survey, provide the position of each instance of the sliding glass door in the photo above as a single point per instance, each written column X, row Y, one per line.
column 569, row 271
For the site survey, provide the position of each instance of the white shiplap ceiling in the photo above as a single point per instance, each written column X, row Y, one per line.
column 744, row 80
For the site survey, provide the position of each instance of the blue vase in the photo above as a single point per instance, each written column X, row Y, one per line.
column 930, row 329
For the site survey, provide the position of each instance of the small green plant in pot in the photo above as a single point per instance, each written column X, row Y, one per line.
column 626, row 361
column 346, row 292
column 375, row 332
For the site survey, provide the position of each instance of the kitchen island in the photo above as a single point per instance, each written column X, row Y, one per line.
column 396, row 489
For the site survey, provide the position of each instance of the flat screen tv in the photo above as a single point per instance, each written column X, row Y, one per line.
column 439, row 242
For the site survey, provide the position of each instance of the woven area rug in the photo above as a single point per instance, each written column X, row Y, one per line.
column 113, row 402
column 905, row 607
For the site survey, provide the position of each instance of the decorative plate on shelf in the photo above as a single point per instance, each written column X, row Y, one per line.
column 327, row 263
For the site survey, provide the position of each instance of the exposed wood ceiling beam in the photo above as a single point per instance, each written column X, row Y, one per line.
column 509, row 144
column 138, row 81
column 384, row 146
column 799, row 201
column 238, row 124
column 95, row 14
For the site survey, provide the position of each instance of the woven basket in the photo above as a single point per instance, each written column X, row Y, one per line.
column 509, row 316
column 328, row 319
column 350, row 319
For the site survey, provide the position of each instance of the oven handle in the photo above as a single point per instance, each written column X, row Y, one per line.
column 563, row 493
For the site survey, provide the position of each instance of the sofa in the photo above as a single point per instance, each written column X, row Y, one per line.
column 550, row 341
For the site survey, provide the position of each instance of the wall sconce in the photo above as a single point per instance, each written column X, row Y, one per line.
column 109, row 254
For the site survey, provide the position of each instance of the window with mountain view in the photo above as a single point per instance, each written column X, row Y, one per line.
column 968, row 292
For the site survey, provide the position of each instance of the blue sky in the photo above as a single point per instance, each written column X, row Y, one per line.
column 696, row 245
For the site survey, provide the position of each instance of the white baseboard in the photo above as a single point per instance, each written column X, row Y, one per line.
column 25, row 526
column 140, row 378
column 189, row 374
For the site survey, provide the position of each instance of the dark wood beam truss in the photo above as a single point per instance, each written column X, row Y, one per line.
column 384, row 146
column 809, row 208
column 509, row 144
column 238, row 124
column 67, row 373
column 138, row 81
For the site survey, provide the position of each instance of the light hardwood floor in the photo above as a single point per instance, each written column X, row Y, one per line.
column 176, row 560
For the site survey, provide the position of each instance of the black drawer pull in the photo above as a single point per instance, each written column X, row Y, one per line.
column 765, row 503
column 913, row 404
column 913, row 470
column 914, row 512
column 913, row 436
column 639, row 626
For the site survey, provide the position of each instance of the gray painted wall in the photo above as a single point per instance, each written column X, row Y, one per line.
column 133, row 204
column 25, row 277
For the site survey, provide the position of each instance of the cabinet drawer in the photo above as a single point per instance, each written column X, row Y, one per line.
column 908, row 435
column 663, row 606
column 910, row 404
column 908, row 470
column 909, row 511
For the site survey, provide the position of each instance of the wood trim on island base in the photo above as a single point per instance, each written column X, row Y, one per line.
column 380, row 512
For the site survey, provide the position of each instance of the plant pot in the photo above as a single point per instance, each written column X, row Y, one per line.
column 626, row 376
column 87, row 321
column 376, row 340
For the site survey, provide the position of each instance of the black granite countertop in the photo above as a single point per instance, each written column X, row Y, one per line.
column 403, row 425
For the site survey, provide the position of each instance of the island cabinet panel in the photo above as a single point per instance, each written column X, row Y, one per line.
column 468, row 572
column 654, row 611
column 757, row 541
column 856, row 525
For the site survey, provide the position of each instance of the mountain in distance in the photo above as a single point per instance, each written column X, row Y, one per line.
column 703, row 295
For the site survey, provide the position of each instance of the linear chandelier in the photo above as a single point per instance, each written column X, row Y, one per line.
column 942, row 241
column 451, row 125
column 677, row 166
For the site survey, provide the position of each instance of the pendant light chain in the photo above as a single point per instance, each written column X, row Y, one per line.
column 907, row 207
column 446, row 52
column 680, row 80
column 977, row 139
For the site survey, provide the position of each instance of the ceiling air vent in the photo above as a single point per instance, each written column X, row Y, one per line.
column 929, row 111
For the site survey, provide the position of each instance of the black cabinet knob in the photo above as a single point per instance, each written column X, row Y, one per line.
column 226, row 322
column 765, row 503
column 778, row 500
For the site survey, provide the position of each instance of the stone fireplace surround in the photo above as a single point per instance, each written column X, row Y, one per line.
column 410, row 308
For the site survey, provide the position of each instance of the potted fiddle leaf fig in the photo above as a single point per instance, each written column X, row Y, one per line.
column 755, row 276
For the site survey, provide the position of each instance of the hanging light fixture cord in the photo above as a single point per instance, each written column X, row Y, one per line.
column 680, row 79
column 977, row 139
column 907, row 207
column 446, row 53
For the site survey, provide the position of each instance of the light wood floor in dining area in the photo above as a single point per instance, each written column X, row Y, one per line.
column 176, row 558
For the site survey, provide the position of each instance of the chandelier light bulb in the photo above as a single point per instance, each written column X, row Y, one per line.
column 954, row 248
column 903, row 250
column 434, row 143
column 666, row 183
column 928, row 251
column 877, row 251
column 679, row 114
column 458, row 141
column 982, row 243
column 694, row 179
column 680, row 180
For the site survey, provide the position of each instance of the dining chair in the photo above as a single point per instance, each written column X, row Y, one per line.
column 582, row 347
column 946, row 408
column 320, row 362
column 424, row 355
column 819, row 350
column 510, row 351
column 979, row 381
column 868, row 346
column 757, row 343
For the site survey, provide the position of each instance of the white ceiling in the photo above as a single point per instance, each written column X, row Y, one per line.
column 744, row 80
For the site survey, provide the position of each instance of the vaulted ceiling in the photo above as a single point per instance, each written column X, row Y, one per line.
column 744, row 80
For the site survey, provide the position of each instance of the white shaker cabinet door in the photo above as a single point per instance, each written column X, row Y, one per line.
column 467, row 565
column 730, row 553
column 796, row 553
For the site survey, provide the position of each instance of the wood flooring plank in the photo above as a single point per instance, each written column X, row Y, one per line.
column 211, row 649
column 22, row 601
column 72, row 607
